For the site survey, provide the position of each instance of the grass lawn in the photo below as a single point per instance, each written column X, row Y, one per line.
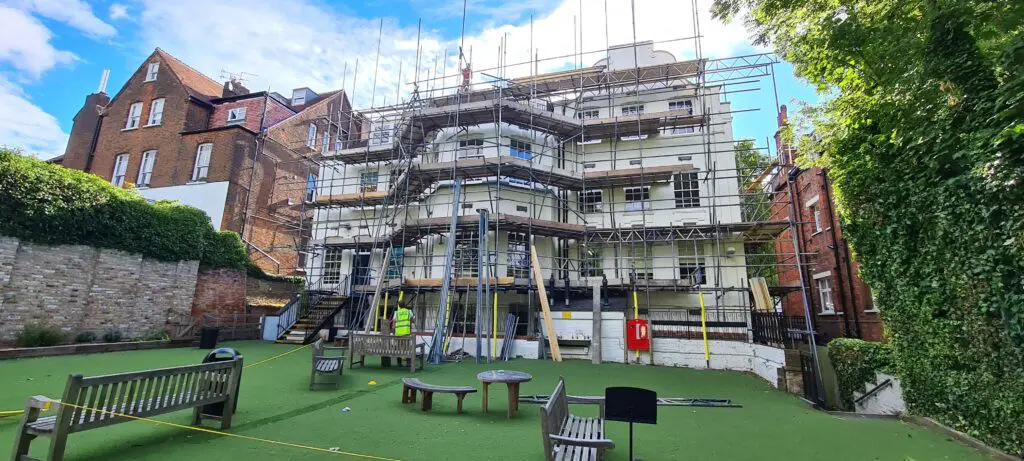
column 275, row 403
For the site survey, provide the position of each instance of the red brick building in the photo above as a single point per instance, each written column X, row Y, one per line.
column 177, row 134
column 840, row 302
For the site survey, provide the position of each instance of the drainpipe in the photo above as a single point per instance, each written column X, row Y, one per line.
column 257, row 150
column 835, row 255
column 850, row 306
column 798, row 243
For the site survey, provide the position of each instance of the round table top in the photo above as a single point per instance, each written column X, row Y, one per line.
column 503, row 376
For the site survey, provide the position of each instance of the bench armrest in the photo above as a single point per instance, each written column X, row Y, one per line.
column 587, row 443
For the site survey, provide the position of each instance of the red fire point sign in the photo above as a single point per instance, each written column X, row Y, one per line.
column 638, row 336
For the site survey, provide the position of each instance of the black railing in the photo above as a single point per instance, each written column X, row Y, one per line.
column 812, row 382
column 777, row 329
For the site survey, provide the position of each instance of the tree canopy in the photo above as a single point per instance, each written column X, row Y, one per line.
column 924, row 137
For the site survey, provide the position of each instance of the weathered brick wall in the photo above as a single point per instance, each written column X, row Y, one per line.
column 80, row 288
column 219, row 291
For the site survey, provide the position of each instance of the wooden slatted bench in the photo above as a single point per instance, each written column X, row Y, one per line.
column 324, row 364
column 94, row 402
column 363, row 344
column 568, row 437
column 411, row 385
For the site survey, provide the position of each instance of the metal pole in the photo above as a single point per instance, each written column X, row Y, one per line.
column 481, row 250
column 595, row 337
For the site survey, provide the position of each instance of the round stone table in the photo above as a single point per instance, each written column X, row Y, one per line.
column 512, row 379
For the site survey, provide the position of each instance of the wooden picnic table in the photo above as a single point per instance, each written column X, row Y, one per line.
column 512, row 379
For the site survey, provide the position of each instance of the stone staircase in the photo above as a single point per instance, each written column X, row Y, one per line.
column 305, row 325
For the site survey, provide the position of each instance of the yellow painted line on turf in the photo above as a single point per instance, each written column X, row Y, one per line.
column 277, row 356
column 228, row 434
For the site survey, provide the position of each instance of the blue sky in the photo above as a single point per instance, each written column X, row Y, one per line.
column 52, row 52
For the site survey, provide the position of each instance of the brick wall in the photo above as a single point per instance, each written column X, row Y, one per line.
column 80, row 288
column 219, row 291
column 825, row 252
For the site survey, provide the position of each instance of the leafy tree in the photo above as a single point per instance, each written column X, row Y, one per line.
column 755, row 203
column 924, row 137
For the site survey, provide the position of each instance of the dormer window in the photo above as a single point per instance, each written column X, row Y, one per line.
column 236, row 116
column 151, row 71
column 299, row 99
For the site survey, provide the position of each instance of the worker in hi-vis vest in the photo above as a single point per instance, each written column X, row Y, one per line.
column 401, row 323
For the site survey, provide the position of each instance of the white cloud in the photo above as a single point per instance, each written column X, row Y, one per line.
column 75, row 13
column 118, row 11
column 25, row 126
column 25, row 44
column 263, row 39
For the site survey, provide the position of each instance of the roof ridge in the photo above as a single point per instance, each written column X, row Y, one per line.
column 193, row 69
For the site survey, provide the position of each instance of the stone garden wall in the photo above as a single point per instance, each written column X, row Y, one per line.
column 80, row 288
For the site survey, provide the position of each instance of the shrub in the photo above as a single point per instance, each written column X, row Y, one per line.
column 85, row 337
column 155, row 336
column 50, row 204
column 856, row 362
column 112, row 336
column 39, row 336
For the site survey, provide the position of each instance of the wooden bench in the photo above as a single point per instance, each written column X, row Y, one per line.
column 411, row 385
column 570, row 437
column 324, row 364
column 94, row 402
column 363, row 344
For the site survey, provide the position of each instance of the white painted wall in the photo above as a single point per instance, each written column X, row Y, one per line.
column 725, row 355
column 887, row 401
column 209, row 197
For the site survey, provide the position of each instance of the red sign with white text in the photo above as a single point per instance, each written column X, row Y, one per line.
column 638, row 335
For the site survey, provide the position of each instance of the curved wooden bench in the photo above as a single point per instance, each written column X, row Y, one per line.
column 411, row 385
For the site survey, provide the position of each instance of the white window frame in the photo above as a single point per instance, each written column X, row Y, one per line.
column 592, row 200
column 520, row 149
column 381, row 133
column 145, row 177
column 151, row 71
column 632, row 111
column 592, row 263
column 134, row 116
column 692, row 265
column 333, row 259
column 236, row 115
column 681, row 105
column 812, row 204
column 311, row 136
column 201, row 170
column 518, row 255
column 120, row 170
column 823, row 282
column 588, row 114
column 470, row 148
column 156, row 112
column 687, row 190
column 681, row 130
column 637, row 205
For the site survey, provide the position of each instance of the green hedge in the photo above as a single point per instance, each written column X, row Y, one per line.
column 856, row 362
column 46, row 203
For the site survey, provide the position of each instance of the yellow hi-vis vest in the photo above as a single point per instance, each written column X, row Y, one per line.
column 403, row 322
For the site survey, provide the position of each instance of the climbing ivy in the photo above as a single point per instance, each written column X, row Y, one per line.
column 923, row 134
column 855, row 362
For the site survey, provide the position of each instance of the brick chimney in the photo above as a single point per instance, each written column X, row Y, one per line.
column 234, row 88
column 787, row 155
column 84, row 131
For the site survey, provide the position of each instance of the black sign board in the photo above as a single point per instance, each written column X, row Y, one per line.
column 631, row 405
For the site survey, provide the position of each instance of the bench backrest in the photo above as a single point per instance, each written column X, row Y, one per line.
column 553, row 414
column 145, row 393
column 383, row 345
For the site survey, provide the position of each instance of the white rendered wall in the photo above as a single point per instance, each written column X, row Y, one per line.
column 209, row 197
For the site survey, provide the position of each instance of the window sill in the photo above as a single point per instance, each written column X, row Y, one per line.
column 816, row 233
column 143, row 187
column 198, row 181
column 150, row 125
column 147, row 81
column 129, row 129
column 829, row 314
column 872, row 311
column 235, row 122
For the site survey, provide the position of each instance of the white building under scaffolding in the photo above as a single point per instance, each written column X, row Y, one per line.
column 622, row 175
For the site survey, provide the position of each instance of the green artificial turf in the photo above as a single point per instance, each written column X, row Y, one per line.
column 275, row 403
